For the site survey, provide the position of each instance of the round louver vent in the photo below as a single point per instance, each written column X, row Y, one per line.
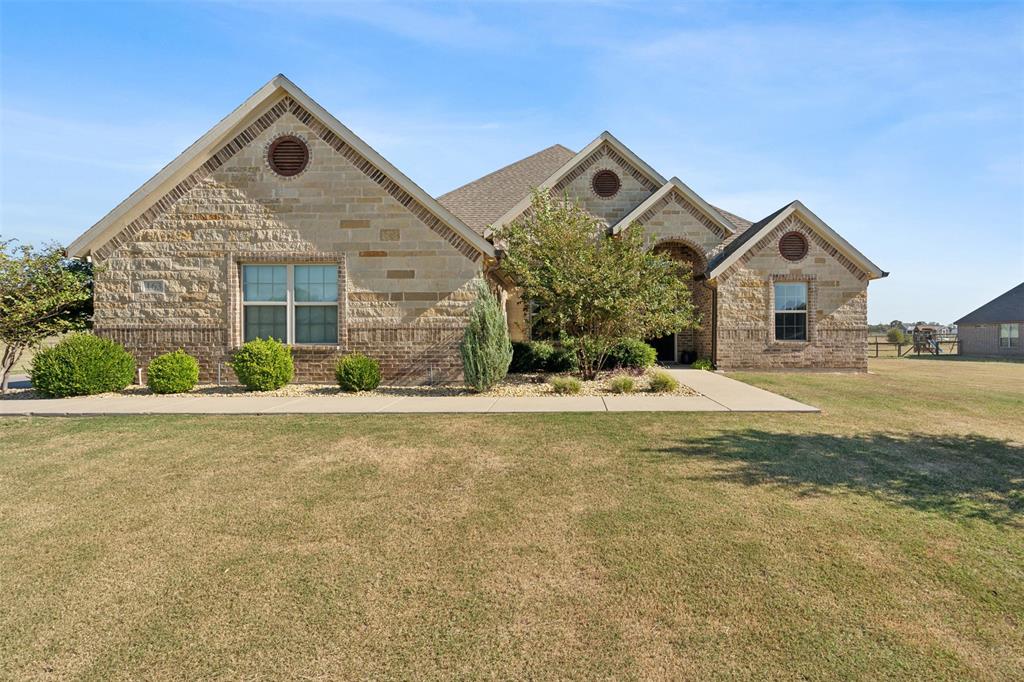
column 606, row 183
column 793, row 246
column 288, row 156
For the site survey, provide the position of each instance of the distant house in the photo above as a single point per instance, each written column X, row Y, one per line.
column 994, row 328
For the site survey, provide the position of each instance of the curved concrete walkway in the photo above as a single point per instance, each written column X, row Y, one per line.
column 718, row 394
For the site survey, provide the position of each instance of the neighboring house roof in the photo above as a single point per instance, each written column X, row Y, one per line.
column 1008, row 307
column 481, row 202
column 206, row 147
column 727, row 227
column 750, row 237
column 552, row 180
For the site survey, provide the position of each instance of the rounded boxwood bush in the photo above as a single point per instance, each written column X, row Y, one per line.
column 632, row 353
column 175, row 372
column 82, row 364
column 263, row 364
column 703, row 363
column 356, row 372
column 563, row 359
column 530, row 356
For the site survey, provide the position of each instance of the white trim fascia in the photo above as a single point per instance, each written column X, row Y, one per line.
column 198, row 153
column 816, row 223
column 688, row 194
column 555, row 177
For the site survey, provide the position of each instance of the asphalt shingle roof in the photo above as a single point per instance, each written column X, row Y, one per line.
column 481, row 202
column 1006, row 308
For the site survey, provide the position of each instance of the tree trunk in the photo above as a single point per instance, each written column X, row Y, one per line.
column 10, row 357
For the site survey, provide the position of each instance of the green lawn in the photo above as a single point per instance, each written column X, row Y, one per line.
column 883, row 538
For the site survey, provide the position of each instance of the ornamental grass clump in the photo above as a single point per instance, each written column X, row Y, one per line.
column 82, row 364
column 176, row 372
column 663, row 382
column 357, row 372
column 566, row 385
column 486, row 349
column 621, row 385
column 263, row 365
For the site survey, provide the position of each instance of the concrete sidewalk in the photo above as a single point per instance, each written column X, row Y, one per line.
column 718, row 394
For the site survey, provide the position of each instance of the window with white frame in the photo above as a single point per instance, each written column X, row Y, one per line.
column 791, row 311
column 1009, row 335
column 295, row 304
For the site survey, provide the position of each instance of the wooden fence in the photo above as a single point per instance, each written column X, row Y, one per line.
column 887, row 349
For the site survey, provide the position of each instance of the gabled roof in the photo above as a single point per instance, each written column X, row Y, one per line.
column 206, row 147
column 1008, row 307
column 480, row 202
column 552, row 180
column 750, row 237
column 675, row 185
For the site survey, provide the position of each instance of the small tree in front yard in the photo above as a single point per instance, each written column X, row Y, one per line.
column 486, row 348
column 594, row 290
column 42, row 294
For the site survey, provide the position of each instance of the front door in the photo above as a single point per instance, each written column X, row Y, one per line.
column 666, row 347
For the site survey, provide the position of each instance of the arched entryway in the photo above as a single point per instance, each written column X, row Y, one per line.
column 690, row 344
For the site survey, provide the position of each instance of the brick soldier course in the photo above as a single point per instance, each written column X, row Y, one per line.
column 169, row 259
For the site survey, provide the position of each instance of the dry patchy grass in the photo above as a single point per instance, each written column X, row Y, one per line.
column 883, row 538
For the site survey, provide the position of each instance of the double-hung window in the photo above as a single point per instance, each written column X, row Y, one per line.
column 791, row 311
column 1009, row 335
column 291, row 303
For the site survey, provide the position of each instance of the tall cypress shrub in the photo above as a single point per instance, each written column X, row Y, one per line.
column 486, row 349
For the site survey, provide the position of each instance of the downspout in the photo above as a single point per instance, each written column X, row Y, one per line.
column 714, row 327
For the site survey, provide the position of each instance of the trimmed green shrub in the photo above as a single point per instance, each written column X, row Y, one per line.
column 263, row 364
column 663, row 382
column 82, row 364
column 486, row 349
column 175, row 372
column 356, row 372
column 621, row 385
column 632, row 353
column 703, row 363
column 566, row 385
column 563, row 360
column 530, row 356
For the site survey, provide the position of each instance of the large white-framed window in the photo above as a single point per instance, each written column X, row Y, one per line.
column 296, row 304
column 1009, row 335
column 791, row 311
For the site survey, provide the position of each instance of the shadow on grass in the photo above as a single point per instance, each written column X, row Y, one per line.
column 962, row 476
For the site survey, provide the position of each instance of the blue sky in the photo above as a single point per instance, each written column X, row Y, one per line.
column 901, row 125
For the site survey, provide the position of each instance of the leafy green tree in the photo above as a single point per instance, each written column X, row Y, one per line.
column 486, row 349
column 896, row 335
column 593, row 290
column 42, row 294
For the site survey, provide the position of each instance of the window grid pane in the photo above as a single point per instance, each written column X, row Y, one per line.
column 792, row 296
column 316, row 324
column 318, row 283
column 791, row 311
column 265, row 322
column 264, row 282
column 791, row 326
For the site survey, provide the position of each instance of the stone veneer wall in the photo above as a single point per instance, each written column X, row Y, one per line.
column 635, row 187
column 837, row 308
column 172, row 281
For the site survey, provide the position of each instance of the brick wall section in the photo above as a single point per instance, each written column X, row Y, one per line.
column 404, row 285
column 983, row 340
column 837, row 309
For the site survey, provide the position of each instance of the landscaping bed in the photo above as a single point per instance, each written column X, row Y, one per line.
column 525, row 385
